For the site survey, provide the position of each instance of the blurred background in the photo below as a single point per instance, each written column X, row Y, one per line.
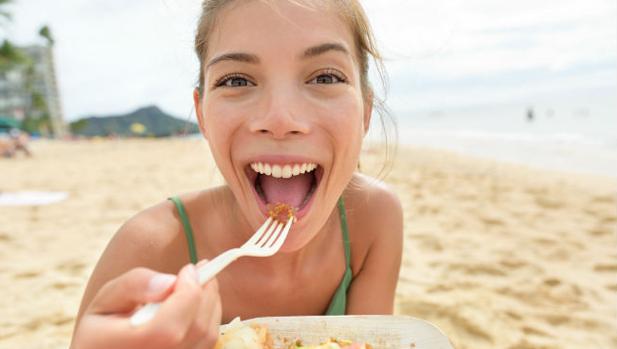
column 507, row 165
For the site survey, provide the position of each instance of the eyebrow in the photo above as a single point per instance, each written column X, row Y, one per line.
column 323, row 48
column 236, row 56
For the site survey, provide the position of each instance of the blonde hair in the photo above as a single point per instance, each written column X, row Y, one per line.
column 353, row 14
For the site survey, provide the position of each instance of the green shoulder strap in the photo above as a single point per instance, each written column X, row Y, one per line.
column 338, row 304
column 188, row 231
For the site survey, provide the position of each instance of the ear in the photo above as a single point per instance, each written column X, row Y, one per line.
column 368, row 111
column 200, row 119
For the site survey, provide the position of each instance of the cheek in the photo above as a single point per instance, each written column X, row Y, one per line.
column 219, row 126
column 346, row 122
column 220, row 121
column 346, row 127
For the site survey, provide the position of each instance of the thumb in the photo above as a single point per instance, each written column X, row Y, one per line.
column 135, row 287
column 201, row 264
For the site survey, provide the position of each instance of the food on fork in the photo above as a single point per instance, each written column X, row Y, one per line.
column 239, row 335
column 282, row 212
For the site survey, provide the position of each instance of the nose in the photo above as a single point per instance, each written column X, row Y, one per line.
column 281, row 116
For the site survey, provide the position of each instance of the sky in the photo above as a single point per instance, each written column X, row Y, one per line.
column 114, row 56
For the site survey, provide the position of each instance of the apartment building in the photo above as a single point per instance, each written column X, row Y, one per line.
column 16, row 96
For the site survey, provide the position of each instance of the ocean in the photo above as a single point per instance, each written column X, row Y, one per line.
column 579, row 140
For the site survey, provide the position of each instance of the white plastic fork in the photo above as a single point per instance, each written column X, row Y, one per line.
column 266, row 241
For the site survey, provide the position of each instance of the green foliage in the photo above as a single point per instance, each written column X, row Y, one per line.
column 37, row 119
column 12, row 56
column 78, row 126
column 38, row 125
column 45, row 32
column 38, row 102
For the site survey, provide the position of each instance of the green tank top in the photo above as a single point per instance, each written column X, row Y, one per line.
column 338, row 303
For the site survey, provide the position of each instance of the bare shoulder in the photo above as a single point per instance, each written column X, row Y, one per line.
column 148, row 238
column 375, row 218
column 375, row 205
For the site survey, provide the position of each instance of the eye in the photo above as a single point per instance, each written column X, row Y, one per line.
column 328, row 77
column 233, row 80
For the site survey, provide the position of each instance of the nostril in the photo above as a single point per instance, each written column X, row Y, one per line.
column 263, row 131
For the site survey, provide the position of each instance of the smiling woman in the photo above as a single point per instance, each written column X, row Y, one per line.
column 284, row 104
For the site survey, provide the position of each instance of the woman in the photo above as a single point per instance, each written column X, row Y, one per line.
column 284, row 103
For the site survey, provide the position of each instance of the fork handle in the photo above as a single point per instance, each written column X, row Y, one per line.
column 205, row 273
column 210, row 269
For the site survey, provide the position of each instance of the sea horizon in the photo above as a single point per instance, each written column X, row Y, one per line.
column 577, row 140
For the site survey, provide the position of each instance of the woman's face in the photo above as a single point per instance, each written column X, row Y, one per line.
column 282, row 95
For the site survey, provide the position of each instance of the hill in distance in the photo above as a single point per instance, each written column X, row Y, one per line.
column 149, row 121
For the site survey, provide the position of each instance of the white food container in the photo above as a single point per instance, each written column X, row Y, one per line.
column 381, row 332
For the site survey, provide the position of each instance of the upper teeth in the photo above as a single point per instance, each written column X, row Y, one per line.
column 282, row 171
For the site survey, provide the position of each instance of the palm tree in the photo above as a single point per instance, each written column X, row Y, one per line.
column 45, row 33
column 39, row 117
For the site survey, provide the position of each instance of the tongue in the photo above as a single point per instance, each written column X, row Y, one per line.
column 291, row 191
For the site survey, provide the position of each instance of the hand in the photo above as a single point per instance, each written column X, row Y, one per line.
column 179, row 323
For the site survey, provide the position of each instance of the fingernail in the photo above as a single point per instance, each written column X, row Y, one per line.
column 160, row 283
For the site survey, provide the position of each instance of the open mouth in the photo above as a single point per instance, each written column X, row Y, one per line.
column 293, row 184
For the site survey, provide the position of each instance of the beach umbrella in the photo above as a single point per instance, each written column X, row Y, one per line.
column 8, row 123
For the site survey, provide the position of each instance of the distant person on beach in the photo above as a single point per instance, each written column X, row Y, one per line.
column 284, row 101
column 13, row 142
column 21, row 140
column 530, row 115
column 7, row 147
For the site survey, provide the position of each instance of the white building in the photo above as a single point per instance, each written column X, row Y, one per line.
column 16, row 99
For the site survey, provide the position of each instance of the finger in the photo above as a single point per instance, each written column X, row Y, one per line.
column 135, row 287
column 206, row 342
column 200, row 265
column 215, row 323
column 203, row 327
column 211, row 338
column 105, row 331
column 178, row 311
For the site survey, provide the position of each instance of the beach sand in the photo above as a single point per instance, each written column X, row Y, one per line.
column 496, row 255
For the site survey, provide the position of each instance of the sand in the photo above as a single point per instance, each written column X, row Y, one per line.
column 496, row 255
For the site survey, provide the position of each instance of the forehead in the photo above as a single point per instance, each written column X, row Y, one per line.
column 281, row 25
